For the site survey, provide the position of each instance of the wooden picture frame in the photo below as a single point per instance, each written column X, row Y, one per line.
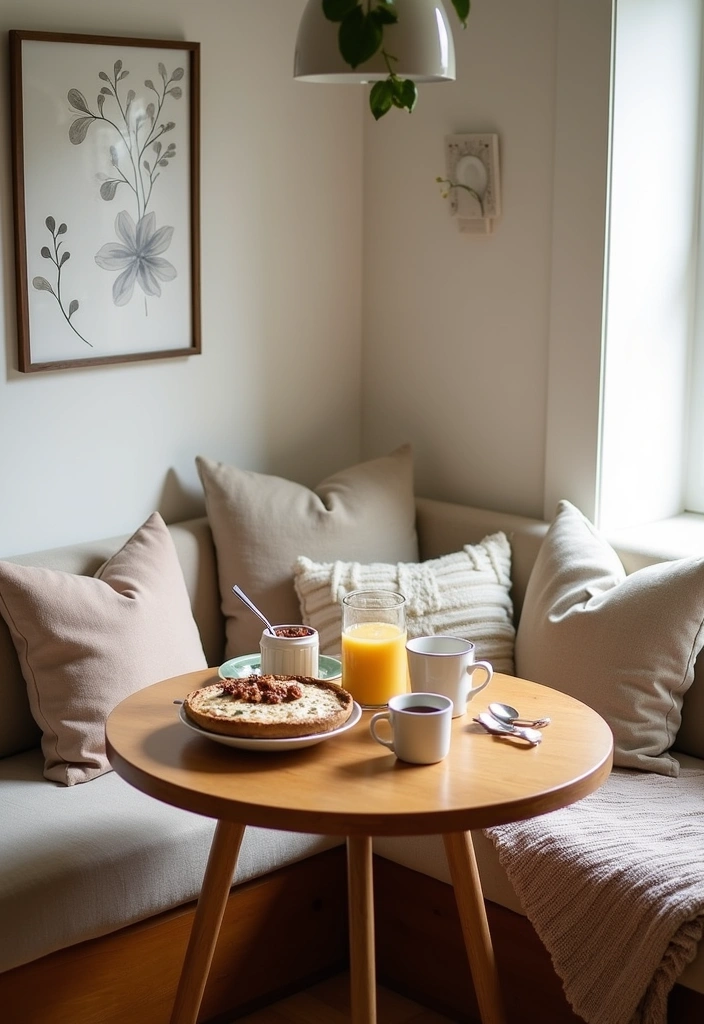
column 106, row 177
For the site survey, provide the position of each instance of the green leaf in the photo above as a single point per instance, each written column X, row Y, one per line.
column 462, row 8
column 359, row 37
column 385, row 13
column 381, row 98
column 337, row 10
column 405, row 94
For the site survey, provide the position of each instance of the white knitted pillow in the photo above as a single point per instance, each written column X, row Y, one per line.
column 464, row 594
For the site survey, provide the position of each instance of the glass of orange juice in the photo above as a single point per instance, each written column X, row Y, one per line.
column 374, row 661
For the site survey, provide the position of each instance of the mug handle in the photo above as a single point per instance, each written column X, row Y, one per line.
column 487, row 668
column 372, row 728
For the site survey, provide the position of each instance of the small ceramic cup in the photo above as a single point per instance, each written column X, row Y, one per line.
column 291, row 651
column 445, row 664
column 421, row 727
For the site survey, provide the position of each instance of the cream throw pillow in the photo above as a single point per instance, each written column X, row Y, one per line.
column 262, row 523
column 464, row 594
column 624, row 644
column 85, row 643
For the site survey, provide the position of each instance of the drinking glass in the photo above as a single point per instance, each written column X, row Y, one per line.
column 374, row 662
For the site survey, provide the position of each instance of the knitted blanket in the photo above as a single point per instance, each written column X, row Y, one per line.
column 614, row 887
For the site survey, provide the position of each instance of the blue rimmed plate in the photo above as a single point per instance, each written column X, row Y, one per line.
column 250, row 665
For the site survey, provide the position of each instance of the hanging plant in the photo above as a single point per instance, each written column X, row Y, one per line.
column 361, row 35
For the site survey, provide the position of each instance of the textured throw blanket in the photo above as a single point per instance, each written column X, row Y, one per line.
column 614, row 887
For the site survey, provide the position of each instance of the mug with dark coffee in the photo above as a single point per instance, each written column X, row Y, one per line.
column 421, row 726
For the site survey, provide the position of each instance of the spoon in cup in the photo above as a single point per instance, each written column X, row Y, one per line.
column 509, row 716
column 253, row 608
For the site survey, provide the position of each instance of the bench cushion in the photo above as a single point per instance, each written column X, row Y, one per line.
column 86, row 642
column 465, row 593
column 261, row 524
column 82, row 861
column 624, row 644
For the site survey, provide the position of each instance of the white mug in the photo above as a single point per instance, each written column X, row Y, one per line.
column 445, row 664
column 421, row 727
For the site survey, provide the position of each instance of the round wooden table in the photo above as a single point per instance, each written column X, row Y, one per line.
column 352, row 786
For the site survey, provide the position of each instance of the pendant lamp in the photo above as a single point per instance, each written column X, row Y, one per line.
column 421, row 39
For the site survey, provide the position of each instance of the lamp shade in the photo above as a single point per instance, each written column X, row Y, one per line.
column 421, row 40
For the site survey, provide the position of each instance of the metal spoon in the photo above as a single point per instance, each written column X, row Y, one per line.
column 509, row 716
column 253, row 608
column 493, row 725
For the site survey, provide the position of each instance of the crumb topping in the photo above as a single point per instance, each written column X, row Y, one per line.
column 261, row 690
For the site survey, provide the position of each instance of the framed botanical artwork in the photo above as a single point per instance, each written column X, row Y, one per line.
column 105, row 148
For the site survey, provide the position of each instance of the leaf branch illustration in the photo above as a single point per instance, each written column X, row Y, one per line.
column 137, row 127
column 58, row 258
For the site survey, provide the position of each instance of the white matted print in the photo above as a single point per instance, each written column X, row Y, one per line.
column 106, row 176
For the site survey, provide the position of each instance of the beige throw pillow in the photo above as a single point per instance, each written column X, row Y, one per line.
column 623, row 644
column 464, row 594
column 262, row 523
column 85, row 643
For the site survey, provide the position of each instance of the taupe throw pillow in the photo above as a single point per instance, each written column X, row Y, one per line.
column 466, row 593
column 623, row 644
column 85, row 643
column 261, row 524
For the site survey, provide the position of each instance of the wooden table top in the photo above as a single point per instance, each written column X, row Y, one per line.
column 350, row 784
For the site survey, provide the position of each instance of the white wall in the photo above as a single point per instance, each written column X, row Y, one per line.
column 325, row 243
column 91, row 452
column 578, row 251
column 456, row 325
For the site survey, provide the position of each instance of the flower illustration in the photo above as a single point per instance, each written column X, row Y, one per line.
column 138, row 257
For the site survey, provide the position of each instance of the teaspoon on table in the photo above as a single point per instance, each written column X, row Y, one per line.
column 509, row 716
column 493, row 725
column 253, row 608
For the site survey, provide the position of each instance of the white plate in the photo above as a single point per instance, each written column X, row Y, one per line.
column 288, row 743
column 250, row 665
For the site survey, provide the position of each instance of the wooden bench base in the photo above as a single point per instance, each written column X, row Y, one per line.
column 285, row 931
column 280, row 933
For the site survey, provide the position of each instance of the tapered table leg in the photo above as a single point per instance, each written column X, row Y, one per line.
column 361, row 911
column 217, row 880
column 475, row 927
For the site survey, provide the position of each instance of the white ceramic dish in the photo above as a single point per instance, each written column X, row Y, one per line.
column 272, row 746
column 250, row 665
